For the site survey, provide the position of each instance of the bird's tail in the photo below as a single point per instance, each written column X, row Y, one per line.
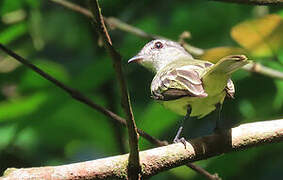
column 215, row 79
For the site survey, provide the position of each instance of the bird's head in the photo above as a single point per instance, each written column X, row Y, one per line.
column 158, row 53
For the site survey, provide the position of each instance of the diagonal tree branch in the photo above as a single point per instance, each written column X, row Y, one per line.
column 79, row 96
column 163, row 158
column 114, row 22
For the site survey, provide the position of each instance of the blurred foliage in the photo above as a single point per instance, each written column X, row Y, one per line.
column 41, row 125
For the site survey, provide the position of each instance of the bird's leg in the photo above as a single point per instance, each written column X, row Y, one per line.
column 177, row 138
column 218, row 118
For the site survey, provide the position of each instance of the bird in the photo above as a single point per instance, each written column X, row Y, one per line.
column 184, row 85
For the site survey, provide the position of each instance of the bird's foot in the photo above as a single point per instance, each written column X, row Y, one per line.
column 180, row 140
column 177, row 138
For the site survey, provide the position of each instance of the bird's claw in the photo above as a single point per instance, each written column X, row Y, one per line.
column 180, row 140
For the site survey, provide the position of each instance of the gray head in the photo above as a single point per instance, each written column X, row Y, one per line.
column 158, row 53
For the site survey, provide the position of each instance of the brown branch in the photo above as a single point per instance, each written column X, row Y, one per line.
column 163, row 158
column 195, row 51
column 74, row 7
column 134, row 167
column 254, row 2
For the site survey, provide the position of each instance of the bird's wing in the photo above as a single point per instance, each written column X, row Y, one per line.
column 217, row 77
column 178, row 82
column 230, row 89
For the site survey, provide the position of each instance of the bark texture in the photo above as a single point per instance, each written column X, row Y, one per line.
column 160, row 159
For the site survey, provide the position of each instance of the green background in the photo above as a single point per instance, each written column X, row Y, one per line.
column 41, row 125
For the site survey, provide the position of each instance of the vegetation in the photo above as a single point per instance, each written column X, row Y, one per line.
column 41, row 125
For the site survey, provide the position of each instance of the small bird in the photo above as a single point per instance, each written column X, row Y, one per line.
column 185, row 85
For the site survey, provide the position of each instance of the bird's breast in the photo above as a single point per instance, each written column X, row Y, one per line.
column 201, row 106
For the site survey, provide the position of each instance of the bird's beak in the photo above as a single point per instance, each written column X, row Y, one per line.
column 136, row 59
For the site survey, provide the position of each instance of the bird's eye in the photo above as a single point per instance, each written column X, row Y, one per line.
column 158, row 45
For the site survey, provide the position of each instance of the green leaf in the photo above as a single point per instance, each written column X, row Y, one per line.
column 12, row 33
column 22, row 106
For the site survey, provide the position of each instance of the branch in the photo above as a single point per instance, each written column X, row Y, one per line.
column 255, row 2
column 258, row 68
column 134, row 167
column 116, row 23
column 163, row 158
column 203, row 172
column 195, row 51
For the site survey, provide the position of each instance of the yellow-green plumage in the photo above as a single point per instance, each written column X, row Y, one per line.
column 181, row 81
column 214, row 81
column 200, row 106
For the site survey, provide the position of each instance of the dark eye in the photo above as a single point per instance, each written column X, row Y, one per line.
column 158, row 45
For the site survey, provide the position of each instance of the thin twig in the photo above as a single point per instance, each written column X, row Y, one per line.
column 203, row 172
column 163, row 158
column 134, row 167
column 258, row 68
column 195, row 51
column 74, row 7
column 117, row 23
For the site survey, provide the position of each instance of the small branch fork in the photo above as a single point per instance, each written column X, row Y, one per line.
column 160, row 159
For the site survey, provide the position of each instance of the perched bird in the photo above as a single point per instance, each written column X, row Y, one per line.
column 185, row 85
